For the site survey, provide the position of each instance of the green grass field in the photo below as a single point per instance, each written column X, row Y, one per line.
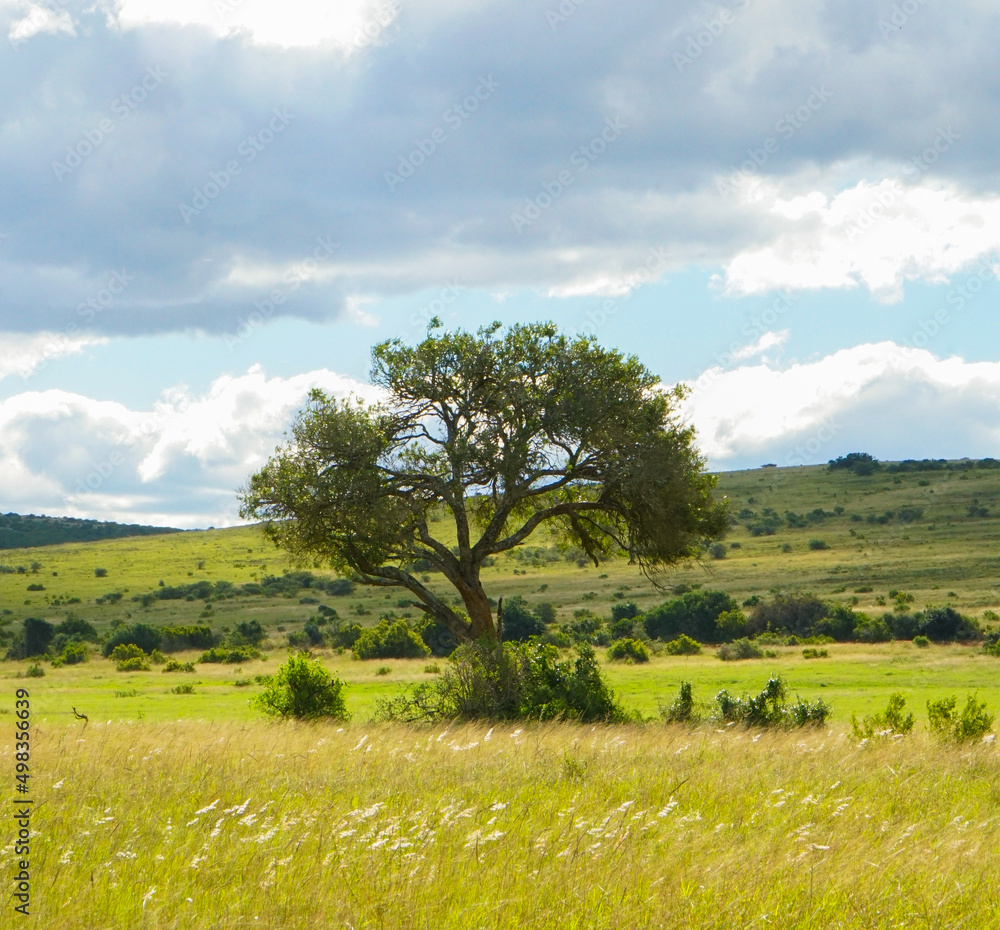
column 172, row 810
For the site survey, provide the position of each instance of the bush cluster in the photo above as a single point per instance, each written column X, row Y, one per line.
column 390, row 639
column 302, row 689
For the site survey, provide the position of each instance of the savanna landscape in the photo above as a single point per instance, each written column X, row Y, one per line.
column 176, row 782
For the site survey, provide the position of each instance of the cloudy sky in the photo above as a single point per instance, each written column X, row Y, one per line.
column 210, row 206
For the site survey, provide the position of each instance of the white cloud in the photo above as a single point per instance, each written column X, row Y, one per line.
column 348, row 23
column 25, row 354
column 39, row 19
column 879, row 235
column 179, row 463
column 881, row 398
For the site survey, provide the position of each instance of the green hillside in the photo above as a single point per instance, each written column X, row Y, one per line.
column 18, row 531
column 933, row 534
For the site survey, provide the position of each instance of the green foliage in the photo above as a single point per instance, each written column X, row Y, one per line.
column 247, row 633
column 625, row 611
column 739, row 649
column 694, row 613
column 134, row 664
column 18, row 531
column 235, row 656
column 566, row 432
column 628, row 650
column 814, row 653
column 682, row 708
column 921, row 642
column 973, row 722
column 520, row 623
column 941, row 624
column 36, row 637
column 391, row 639
column 146, row 637
column 174, row 666
column 33, row 671
column 73, row 653
column 178, row 638
column 304, row 690
column 126, row 651
column 872, row 630
column 889, row 723
column 816, row 544
column 769, row 708
column 76, row 628
column 510, row 681
column 683, row 646
column 182, row 689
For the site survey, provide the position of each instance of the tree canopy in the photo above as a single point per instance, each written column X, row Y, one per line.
column 498, row 431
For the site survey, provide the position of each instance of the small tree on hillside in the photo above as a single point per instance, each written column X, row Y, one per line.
column 500, row 433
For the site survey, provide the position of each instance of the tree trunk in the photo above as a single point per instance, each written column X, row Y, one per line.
column 478, row 607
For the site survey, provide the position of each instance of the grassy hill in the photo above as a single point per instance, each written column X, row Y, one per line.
column 18, row 531
column 851, row 538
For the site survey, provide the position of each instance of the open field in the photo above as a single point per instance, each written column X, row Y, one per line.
column 229, row 825
column 943, row 557
column 853, row 679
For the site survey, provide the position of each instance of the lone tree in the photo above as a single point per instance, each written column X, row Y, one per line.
column 499, row 431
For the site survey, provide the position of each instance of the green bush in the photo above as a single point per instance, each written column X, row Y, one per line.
column 134, row 664
column 390, row 640
column 769, row 708
column 682, row 646
column 739, row 649
column 510, row 681
column 178, row 638
column 182, row 689
column 730, row 625
column 694, row 613
column 817, row 544
column 973, row 723
column 921, row 642
column 520, row 623
column 247, row 633
column 889, row 723
column 230, row 656
column 682, row 708
column 813, row 653
column 33, row 671
column 146, row 637
column 174, row 666
column 126, row 651
column 628, row 650
column 872, row 630
column 302, row 689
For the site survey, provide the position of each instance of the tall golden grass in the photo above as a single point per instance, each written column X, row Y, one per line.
column 232, row 825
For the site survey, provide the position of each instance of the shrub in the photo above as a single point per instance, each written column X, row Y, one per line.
column 510, row 681
column 390, row 640
column 694, row 613
column 890, row 723
column 813, row 653
column 797, row 614
column 134, row 664
column 126, row 651
column 302, row 689
column 174, row 666
column 519, row 622
column 730, row 625
column 973, row 723
column 683, row 646
column 817, row 544
column 146, row 637
column 871, row 630
column 37, row 636
column 383, row 670
column 769, row 708
column 941, row 624
column 74, row 654
column 230, row 656
column 247, row 633
column 33, row 671
column 739, row 649
column 76, row 628
column 182, row 689
column 717, row 550
column 100, row 573
column 628, row 650
column 682, row 709
column 176, row 638
column 921, row 642
column 626, row 611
